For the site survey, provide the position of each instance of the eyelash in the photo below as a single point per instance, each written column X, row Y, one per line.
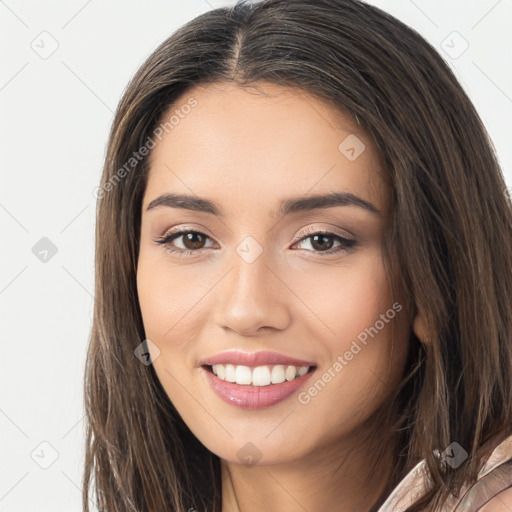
column 165, row 240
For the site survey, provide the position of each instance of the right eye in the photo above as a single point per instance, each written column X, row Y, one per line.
column 193, row 241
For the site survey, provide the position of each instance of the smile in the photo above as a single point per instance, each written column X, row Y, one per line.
column 260, row 375
column 255, row 380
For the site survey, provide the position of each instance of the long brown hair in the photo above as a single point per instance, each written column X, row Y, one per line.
column 449, row 247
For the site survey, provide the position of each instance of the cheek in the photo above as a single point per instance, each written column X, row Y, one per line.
column 346, row 299
column 169, row 299
column 366, row 342
column 372, row 332
column 364, row 297
column 169, row 303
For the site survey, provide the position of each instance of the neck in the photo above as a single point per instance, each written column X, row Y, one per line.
column 328, row 479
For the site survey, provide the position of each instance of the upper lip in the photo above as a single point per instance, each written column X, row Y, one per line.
column 264, row 357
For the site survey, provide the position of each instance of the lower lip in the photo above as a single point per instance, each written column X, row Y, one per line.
column 254, row 397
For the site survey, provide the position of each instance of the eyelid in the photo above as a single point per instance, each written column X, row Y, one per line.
column 184, row 228
column 331, row 230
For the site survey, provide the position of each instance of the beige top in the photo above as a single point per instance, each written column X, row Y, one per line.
column 494, row 477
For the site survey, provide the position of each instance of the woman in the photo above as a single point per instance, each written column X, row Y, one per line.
column 303, row 275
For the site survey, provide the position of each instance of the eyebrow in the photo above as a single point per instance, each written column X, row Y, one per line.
column 287, row 206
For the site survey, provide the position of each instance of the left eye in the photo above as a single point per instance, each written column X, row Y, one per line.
column 322, row 239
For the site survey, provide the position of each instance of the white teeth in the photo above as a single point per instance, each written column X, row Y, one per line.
column 278, row 374
column 219, row 370
column 230, row 372
column 261, row 376
column 243, row 375
column 290, row 373
column 302, row 371
column 258, row 376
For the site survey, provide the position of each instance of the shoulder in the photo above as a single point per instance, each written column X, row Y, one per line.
column 502, row 502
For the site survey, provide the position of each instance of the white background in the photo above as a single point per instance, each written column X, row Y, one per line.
column 55, row 115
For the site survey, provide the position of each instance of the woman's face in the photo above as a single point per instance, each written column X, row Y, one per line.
column 263, row 276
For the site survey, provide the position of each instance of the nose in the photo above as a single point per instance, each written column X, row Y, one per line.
column 252, row 298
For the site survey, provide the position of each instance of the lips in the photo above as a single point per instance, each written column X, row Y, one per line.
column 253, row 359
column 262, row 393
column 251, row 397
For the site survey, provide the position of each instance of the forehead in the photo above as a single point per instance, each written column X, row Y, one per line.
column 261, row 144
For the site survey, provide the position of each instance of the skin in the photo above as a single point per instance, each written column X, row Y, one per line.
column 247, row 152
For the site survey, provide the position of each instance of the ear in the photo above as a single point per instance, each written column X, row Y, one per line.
column 420, row 329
